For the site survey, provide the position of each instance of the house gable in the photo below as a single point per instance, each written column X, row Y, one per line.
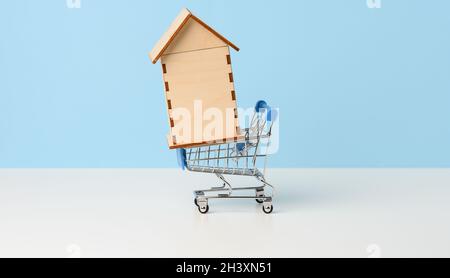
column 193, row 36
column 177, row 27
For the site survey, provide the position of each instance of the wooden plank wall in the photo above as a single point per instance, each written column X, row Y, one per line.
column 206, row 76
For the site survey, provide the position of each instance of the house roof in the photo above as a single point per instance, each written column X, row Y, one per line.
column 176, row 26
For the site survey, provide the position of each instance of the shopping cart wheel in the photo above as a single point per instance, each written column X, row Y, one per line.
column 267, row 208
column 259, row 193
column 203, row 209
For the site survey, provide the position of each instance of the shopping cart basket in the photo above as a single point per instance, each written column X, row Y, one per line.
column 243, row 157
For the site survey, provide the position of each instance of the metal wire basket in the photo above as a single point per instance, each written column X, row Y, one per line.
column 243, row 157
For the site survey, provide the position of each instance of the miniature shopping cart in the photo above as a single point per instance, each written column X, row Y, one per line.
column 243, row 157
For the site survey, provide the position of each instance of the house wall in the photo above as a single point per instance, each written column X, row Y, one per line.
column 201, row 78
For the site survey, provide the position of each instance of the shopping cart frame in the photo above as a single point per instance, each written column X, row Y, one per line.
column 240, row 157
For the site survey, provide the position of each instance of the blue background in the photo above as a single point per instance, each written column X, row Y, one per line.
column 356, row 87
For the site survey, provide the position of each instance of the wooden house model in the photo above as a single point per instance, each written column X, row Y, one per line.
column 198, row 79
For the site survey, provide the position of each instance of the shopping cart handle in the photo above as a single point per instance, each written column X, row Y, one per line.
column 271, row 113
column 181, row 157
column 261, row 104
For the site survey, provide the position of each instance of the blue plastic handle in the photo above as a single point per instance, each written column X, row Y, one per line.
column 181, row 157
column 261, row 104
column 240, row 147
column 271, row 114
